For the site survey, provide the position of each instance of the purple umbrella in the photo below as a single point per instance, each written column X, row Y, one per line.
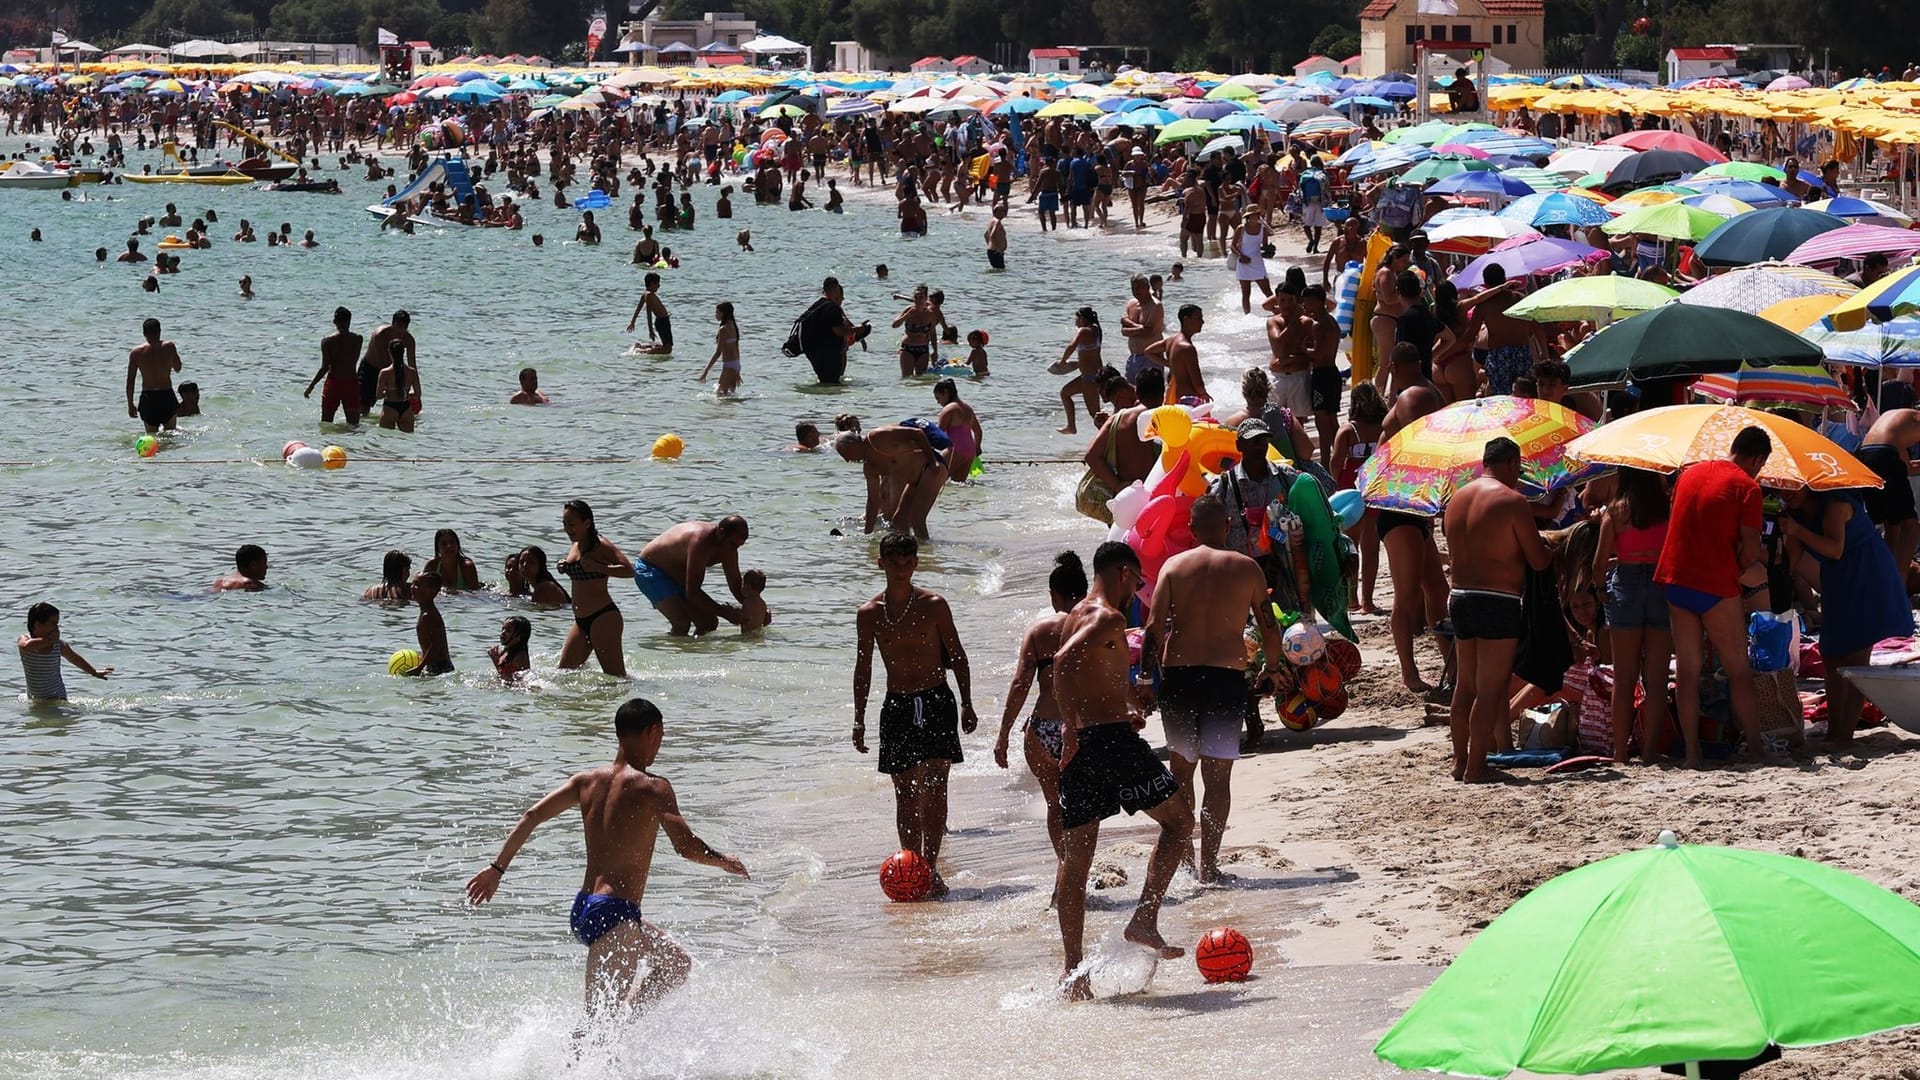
column 1478, row 183
column 1541, row 255
column 1197, row 109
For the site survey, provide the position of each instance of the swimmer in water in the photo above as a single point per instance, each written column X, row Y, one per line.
column 623, row 808
column 754, row 613
column 431, row 630
column 529, row 392
column 339, row 353
column 745, row 240
column 509, row 657
column 189, row 399
column 153, row 363
column 659, row 323
column 42, row 649
column 396, row 389
column 250, row 571
column 396, row 572
column 457, row 572
column 806, row 439
column 246, row 287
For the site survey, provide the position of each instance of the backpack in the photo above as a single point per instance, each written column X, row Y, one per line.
column 933, row 432
column 1313, row 186
column 793, row 346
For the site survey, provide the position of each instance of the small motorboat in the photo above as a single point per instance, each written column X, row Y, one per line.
column 262, row 169
column 33, row 176
column 216, row 176
column 1895, row 688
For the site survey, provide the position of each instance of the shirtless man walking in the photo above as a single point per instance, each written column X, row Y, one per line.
column 1490, row 518
column 1196, row 639
column 1287, row 336
column 153, row 362
column 1182, row 359
column 338, row 353
column 673, row 567
column 905, row 474
column 379, row 354
column 623, row 807
column 920, row 725
column 1105, row 766
column 1413, row 559
column 1143, row 323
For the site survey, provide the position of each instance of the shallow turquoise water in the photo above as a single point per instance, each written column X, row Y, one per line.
column 244, row 853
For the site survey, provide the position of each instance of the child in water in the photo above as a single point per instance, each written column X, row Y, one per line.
column 41, row 650
column 754, row 613
column 977, row 356
column 806, row 439
column 726, row 351
column 510, row 656
column 431, row 630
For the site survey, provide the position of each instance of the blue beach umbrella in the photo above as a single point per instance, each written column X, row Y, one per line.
column 1888, row 344
column 1019, row 106
column 1153, row 118
column 1763, row 235
column 1555, row 208
column 730, row 97
column 479, row 92
column 1246, row 121
column 1478, row 184
column 1368, row 100
column 1753, row 193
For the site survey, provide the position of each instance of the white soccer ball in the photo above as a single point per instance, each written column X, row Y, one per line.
column 1302, row 645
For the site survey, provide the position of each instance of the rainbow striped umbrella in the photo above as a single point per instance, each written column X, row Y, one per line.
column 1889, row 298
column 1804, row 389
column 1418, row 470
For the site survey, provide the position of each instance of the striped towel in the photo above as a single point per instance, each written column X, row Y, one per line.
column 1346, row 291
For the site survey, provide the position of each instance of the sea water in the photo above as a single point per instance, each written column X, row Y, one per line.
column 243, row 855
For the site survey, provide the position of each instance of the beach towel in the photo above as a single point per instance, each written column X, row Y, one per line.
column 1346, row 290
column 1528, row 759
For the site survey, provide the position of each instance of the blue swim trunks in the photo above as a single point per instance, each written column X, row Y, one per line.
column 1049, row 201
column 594, row 914
column 655, row 584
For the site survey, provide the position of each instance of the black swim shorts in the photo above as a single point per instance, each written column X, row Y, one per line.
column 1203, row 709
column 917, row 728
column 1112, row 769
column 1326, row 390
column 158, row 407
column 1892, row 504
column 1481, row 614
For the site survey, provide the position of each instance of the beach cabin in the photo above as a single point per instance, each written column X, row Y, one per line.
column 1351, row 65
column 853, row 56
column 1063, row 60
column 729, row 29
column 972, row 65
column 1315, row 65
column 931, row 65
column 1684, row 64
column 1513, row 30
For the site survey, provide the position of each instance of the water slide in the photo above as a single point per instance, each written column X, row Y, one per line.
column 450, row 171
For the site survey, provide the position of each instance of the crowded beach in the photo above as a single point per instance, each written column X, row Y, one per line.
column 1578, row 455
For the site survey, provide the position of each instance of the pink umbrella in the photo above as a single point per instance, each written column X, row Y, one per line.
column 1789, row 82
column 1462, row 148
column 1854, row 242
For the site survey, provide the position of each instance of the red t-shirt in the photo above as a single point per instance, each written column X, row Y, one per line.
column 1712, row 502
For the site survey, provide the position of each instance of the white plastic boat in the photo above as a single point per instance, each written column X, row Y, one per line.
column 34, row 176
column 1895, row 689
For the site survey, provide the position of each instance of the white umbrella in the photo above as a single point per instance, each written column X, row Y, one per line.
column 1224, row 142
column 1582, row 160
column 266, row 78
column 199, row 48
column 771, row 43
column 77, row 46
column 135, row 49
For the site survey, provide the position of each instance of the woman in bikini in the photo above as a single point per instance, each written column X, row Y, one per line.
column 1083, row 354
column 1454, row 371
column 1066, row 587
column 1388, row 306
column 457, row 572
column 916, row 340
column 590, row 561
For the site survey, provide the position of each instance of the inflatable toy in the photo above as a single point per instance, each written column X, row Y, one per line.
column 146, row 446
column 287, row 450
column 1223, row 955
column 1302, row 645
column 1348, row 508
column 905, row 877
column 306, row 458
column 333, row 457
column 593, row 200
column 1299, row 714
column 404, row 662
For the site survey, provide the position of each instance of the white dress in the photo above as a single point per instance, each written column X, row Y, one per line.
column 1255, row 268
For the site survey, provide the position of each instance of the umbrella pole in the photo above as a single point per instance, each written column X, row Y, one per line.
column 1693, row 1070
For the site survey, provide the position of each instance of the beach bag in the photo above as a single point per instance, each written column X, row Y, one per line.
column 1594, row 733
column 1091, row 496
column 1769, row 642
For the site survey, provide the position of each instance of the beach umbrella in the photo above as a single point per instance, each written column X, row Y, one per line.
column 1751, row 192
column 1755, row 288
column 1718, row 205
column 1461, row 150
column 1893, row 344
column 1801, row 313
column 1182, row 130
column 1245, row 121
column 1324, row 127
column 1295, row 112
column 1889, row 298
column 1481, row 184
column 1365, row 100
column 1027, row 106
column 1655, row 139
column 1589, row 159
column 1495, row 141
column 1148, row 118
column 1650, row 196
column 1668, row 438
column 1527, row 258
column 479, row 92
column 729, row 97
column 1426, row 134
column 1206, row 110
column 1763, row 235
column 1684, row 339
column 772, row 111
column 1219, row 144
column 1743, row 170
column 1647, row 166
column 1800, row 389
column 1388, row 159
column 1475, row 233
column 1862, row 211
column 1669, row 221
column 1391, row 89
column 1856, row 242
column 1423, row 464
column 1439, row 168
column 1603, row 298
column 1675, row 954
column 1554, row 208
column 1231, row 91
column 1540, row 180
column 1068, row 107
column 1455, row 213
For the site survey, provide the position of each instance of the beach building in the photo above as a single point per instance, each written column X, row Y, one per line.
column 853, row 56
column 1684, row 64
column 1315, row 65
column 1513, row 30
column 686, row 38
column 931, row 65
column 1062, row 60
column 970, row 64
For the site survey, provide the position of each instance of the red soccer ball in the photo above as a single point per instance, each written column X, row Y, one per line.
column 1320, row 679
column 905, row 877
column 1345, row 656
column 1331, row 706
column 1223, row 955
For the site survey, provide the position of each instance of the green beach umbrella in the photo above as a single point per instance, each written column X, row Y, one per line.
column 1675, row 954
column 1427, row 134
column 782, row 109
column 1591, row 180
column 1743, row 170
column 1669, row 221
column 1604, row 299
column 1684, row 339
column 1438, row 167
column 1539, row 179
column 1191, row 127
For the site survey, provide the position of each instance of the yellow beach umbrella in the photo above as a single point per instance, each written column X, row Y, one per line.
column 1800, row 312
column 1069, row 107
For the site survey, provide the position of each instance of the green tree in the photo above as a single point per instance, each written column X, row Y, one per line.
column 316, row 20
column 1338, row 42
column 1164, row 26
column 410, row 19
column 504, row 26
column 197, row 18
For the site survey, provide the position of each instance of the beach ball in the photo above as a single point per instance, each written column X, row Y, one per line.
column 1223, row 955
column 334, row 457
column 668, row 447
column 1345, row 656
column 146, row 446
column 1299, row 714
column 906, row 877
column 1331, row 706
column 1302, row 644
column 306, row 458
column 1348, row 507
column 1318, row 680
column 404, row 662
column 287, row 450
